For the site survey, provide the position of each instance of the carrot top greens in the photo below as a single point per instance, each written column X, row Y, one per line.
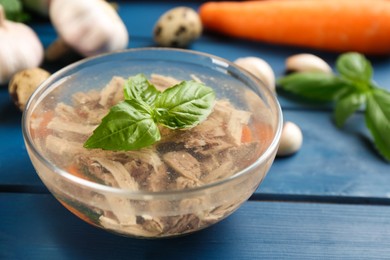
column 351, row 89
column 133, row 123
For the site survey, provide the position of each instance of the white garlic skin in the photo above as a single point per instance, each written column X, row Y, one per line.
column 20, row 48
column 90, row 27
column 306, row 62
column 259, row 68
column 177, row 27
column 291, row 139
column 24, row 83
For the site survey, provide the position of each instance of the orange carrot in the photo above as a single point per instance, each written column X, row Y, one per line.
column 246, row 135
column 74, row 170
column 333, row 25
column 259, row 132
column 42, row 129
column 263, row 133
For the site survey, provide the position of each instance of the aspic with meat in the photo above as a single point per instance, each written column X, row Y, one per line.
column 182, row 159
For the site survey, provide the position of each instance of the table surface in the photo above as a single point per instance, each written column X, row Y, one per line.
column 330, row 200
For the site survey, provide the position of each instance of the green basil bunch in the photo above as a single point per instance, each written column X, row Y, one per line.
column 351, row 89
column 133, row 123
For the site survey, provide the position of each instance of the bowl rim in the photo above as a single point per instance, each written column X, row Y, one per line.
column 151, row 194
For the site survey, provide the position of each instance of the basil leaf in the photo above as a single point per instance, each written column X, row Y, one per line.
column 132, row 124
column 314, row 85
column 128, row 126
column 355, row 67
column 347, row 105
column 378, row 120
column 184, row 105
column 138, row 87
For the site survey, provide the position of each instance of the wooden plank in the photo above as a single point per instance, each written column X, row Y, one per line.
column 37, row 227
column 15, row 167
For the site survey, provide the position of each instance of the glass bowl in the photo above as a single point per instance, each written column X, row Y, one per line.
column 187, row 181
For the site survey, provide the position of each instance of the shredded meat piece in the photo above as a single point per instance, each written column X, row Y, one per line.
column 220, row 171
column 195, row 78
column 148, row 156
column 86, row 98
column 184, row 164
column 122, row 210
column 134, row 229
column 94, row 170
column 218, row 213
column 140, row 171
column 120, row 174
column 186, row 183
column 63, row 147
column 59, row 125
column 181, row 224
column 159, row 180
column 152, row 225
column 233, row 118
column 65, row 112
column 191, row 205
column 243, row 154
column 112, row 93
column 162, row 82
column 213, row 148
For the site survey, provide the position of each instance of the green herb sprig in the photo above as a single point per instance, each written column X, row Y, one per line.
column 133, row 123
column 14, row 10
column 351, row 89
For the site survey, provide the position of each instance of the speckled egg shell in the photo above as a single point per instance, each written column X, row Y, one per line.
column 177, row 27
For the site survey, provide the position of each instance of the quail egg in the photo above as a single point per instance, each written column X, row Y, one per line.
column 177, row 27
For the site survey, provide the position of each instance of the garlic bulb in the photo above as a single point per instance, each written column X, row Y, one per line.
column 259, row 68
column 20, row 48
column 90, row 27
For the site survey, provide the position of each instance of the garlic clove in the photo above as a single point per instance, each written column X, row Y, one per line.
column 177, row 27
column 20, row 48
column 291, row 139
column 90, row 27
column 306, row 62
column 259, row 68
column 24, row 83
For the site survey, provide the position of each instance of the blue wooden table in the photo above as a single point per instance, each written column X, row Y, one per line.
column 331, row 200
